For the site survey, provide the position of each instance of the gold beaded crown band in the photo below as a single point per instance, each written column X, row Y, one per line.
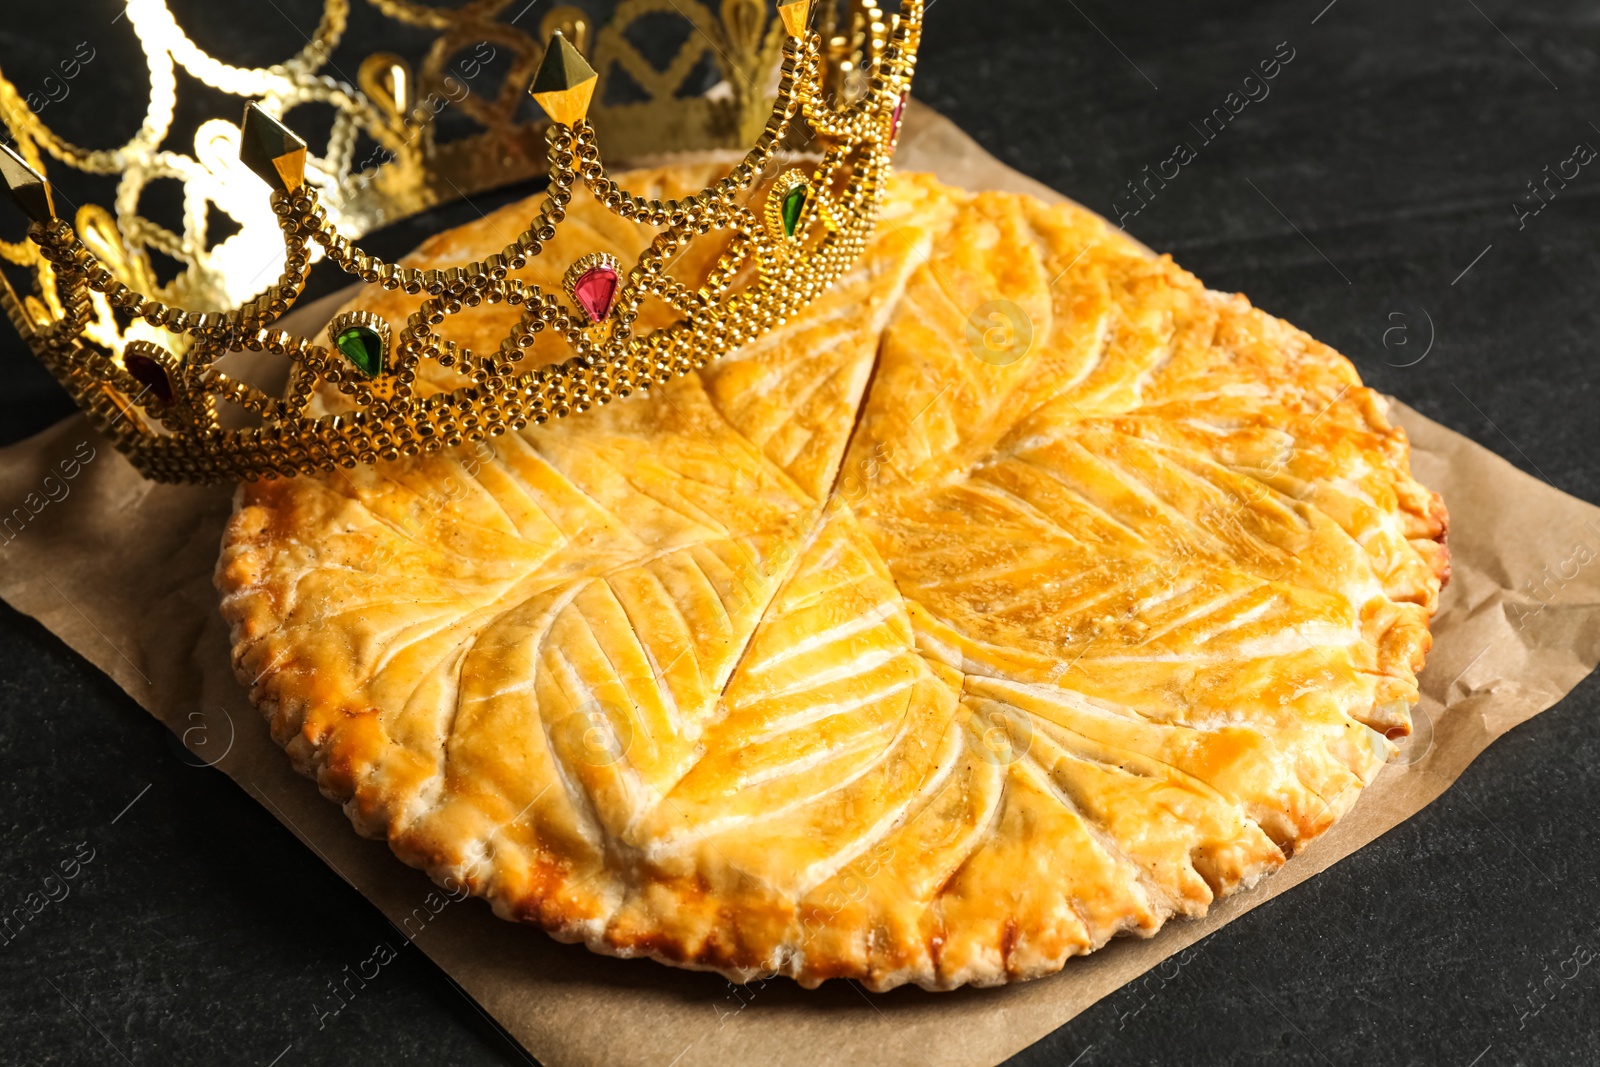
column 143, row 359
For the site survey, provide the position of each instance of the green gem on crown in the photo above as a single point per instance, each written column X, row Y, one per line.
column 363, row 347
column 794, row 202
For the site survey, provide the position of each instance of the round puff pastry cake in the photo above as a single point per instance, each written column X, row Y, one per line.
column 865, row 652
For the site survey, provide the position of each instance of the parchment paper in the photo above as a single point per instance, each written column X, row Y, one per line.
column 120, row 569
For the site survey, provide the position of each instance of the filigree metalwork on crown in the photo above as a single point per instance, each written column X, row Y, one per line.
column 142, row 358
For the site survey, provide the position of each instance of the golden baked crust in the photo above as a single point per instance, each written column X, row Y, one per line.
column 857, row 654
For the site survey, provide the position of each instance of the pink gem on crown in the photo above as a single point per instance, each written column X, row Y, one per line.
column 592, row 283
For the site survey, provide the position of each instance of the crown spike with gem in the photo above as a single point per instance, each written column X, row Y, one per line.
column 565, row 83
column 146, row 360
column 26, row 186
column 271, row 150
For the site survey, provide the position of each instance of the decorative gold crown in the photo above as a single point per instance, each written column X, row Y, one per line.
column 143, row 362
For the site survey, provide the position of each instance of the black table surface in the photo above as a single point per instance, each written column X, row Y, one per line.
column 1375, row 191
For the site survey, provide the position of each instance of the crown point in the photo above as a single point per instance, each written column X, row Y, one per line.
column 795, row 15
column 26, row 185
column 272, row 150
column 565, row 82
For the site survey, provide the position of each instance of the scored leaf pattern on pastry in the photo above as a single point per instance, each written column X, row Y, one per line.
column 860, row 653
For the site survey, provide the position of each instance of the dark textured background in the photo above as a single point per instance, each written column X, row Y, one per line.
column 1350, row 201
